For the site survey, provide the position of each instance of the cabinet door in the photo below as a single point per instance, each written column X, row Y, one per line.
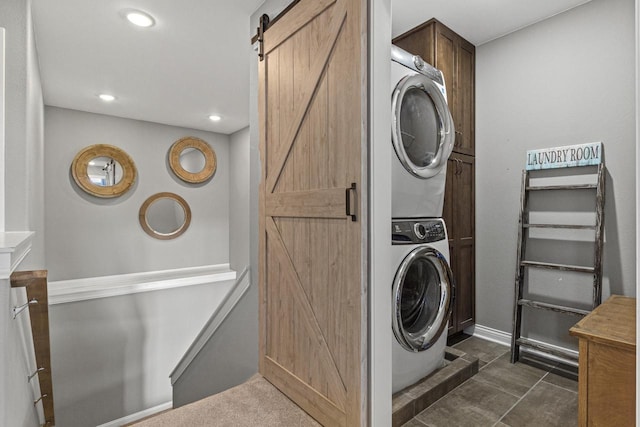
column 459, row 214
column 455, row 57
column 465, row 241
column 448, row 211
column 448, row 214
column 445, row 61
column 464, row 98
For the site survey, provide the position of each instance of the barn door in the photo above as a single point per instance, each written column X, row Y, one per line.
column 311, row 131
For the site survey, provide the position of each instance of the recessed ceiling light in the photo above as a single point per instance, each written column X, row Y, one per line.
column 106, row 97
column 141, row 19
column 215, row 118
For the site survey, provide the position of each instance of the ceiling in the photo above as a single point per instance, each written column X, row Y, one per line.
column 192, row 63
column 478, row 21
column 195, row 60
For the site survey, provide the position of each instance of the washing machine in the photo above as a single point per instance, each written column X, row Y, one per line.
column 423, row 135
column 423, row 292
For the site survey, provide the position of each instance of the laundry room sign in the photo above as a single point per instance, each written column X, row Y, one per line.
column 563, row 157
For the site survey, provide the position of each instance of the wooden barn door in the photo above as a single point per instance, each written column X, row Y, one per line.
column 311, row 105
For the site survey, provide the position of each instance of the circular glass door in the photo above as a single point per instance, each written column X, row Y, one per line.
column 422, row 292
column 423, row 131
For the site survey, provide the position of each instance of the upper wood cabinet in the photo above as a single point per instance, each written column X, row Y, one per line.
column 455, row 57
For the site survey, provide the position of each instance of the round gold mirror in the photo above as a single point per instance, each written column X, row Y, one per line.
column 103, row 170
column 192, row 160
column 165, row 216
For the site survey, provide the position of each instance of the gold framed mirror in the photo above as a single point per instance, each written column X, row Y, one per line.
column 192, row 160
column 103, row 170
column 165, row 216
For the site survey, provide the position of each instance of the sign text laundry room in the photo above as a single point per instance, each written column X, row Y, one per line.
column 563, row 157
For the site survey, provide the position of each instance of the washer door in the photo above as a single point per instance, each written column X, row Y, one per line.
column 422, row 128
column 422, row 293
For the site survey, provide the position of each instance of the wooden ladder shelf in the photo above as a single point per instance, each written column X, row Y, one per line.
column 517, row 340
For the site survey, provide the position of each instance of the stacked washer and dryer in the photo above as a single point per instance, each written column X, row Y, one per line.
column 423, row 136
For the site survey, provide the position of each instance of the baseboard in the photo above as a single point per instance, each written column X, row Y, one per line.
column 504, row 338
column 490, row 334
column 138, row 415
column 65, row 291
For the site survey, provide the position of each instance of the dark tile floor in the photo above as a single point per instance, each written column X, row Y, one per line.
column 502, row 394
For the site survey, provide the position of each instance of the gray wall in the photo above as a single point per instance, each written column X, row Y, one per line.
column 239, row 200
column 88, row 236
column 566, row 80
column 112, row 357
column 228, row 359
column 24, row 185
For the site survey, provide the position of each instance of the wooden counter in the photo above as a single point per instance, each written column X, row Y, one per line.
column 607, row 380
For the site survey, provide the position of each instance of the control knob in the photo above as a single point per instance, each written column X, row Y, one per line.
column 420, row 230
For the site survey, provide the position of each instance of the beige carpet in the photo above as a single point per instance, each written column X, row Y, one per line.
column 254, row 403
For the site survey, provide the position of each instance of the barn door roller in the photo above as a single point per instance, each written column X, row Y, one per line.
column 264, row 22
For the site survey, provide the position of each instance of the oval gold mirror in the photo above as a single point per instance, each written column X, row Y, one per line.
column 103, row 170
column 192, row 160
column 165, row 216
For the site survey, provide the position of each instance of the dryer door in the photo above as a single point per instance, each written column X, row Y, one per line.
column 422, row 294
column 423, row 131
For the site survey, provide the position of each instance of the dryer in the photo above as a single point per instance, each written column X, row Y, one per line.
column 422, row 134
column 422, row 295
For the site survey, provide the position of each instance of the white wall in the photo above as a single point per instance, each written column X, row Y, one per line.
column 381, row 271
column 23, row 186
column 24, row 197
column 566, row 80
column 112, row 357
column 239, row 200
column 2, row 132
column 35, row 161
column 637, row 190
column 87, row 236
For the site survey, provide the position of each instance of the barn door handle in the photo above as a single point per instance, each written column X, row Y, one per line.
column 348, row 192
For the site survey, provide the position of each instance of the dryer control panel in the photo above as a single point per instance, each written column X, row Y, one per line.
column 412, row 231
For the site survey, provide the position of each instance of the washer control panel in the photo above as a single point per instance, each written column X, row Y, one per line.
column 412, row 231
